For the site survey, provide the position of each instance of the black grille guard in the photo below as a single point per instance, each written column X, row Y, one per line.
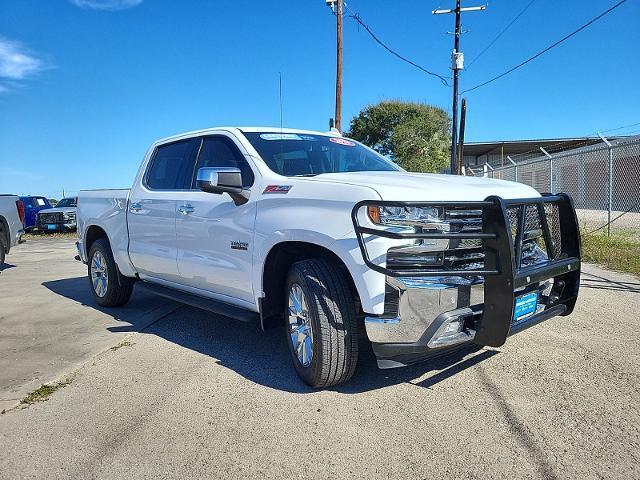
column 502, row 270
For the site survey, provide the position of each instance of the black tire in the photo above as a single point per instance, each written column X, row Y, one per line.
column 114, row 295
column 334, row 326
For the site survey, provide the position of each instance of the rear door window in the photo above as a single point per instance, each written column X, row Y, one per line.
column 169, row 166
column 220, row 151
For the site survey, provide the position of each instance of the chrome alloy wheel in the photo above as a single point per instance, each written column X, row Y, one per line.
column 300, row 330
column 99, row 274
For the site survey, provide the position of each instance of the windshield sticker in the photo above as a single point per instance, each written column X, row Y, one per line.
column 280, row 136
column 308, row 137
column 283, row 189
column 342, row 141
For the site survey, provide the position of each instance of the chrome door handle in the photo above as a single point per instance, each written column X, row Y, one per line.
column 135, row 207
column 186, row 209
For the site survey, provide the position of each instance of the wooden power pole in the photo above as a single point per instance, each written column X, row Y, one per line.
column 457, row 64
column 338, row 119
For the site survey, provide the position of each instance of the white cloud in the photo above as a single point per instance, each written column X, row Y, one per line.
column 16, row 62
column 111, row 5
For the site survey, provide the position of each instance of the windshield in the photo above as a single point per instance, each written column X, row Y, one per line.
column 298, row 154
column 67, row 202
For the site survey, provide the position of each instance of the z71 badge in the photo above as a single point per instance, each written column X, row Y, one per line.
column 283, row 189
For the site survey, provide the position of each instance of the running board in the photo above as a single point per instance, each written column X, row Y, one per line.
column 213, row 306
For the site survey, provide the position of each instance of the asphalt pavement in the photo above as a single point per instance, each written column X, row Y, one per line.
column 188, row 395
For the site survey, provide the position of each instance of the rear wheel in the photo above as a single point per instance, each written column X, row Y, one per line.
column 103, row 276
column 322, row 330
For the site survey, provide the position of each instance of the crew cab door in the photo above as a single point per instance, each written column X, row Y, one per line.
column 151, row 214
column 214, row 235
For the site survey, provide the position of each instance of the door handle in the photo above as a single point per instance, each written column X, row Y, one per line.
column 186, row 209
column 135, row 207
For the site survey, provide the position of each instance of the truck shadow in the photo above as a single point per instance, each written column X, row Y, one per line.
column 261, row 357
column 6, row 266
column 143, row 309
column 590, row 280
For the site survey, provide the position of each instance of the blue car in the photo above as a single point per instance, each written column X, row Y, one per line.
column 32, row 205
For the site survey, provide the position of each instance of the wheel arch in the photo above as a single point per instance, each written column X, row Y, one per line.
column 94, row 233
column 274, row 274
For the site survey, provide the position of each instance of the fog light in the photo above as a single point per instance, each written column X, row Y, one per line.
column 452, row 330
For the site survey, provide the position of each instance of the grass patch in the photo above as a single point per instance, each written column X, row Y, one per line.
column 42, row 394
column 620, row 251
column 37, row 236
column 124, row 343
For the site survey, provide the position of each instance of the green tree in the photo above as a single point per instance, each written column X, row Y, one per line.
column 415, row 135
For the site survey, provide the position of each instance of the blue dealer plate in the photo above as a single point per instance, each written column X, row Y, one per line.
column 51, row 227
column 525, row 306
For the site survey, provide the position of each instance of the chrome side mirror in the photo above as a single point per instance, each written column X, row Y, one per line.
column 221, row 180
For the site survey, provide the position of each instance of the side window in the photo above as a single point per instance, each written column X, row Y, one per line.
column 220, row 151
column 169, row 166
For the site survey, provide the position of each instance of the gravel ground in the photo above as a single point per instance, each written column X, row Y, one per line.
column 197, row 396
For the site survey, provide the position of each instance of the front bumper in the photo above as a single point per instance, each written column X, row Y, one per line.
column 59, row 226
column 422, row 307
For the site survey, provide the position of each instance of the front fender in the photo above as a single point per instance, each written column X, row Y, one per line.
column 326, row 223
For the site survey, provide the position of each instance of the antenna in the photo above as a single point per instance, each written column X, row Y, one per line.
column 280, row 88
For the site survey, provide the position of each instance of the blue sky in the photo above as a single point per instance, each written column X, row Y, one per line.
column 87, row 85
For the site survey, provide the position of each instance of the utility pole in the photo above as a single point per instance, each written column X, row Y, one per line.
column 457, row 64
column 336, row 8
column 339, row 68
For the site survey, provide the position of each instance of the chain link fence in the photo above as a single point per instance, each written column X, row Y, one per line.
column 603, row 179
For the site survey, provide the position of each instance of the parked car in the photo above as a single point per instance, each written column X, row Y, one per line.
column 324, row 237
column 61, row 218
column 11, row 224
column 32, row 206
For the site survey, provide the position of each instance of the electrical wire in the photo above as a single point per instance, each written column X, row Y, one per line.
column 356, row 16
column 563, row 39
column 499, row 34
column 635, row 207
column 619, row 128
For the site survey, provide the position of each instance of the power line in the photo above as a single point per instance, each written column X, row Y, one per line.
column 356, row 16
column 620, row 128
column 563, row 39
column 613, row 220
column 501, row 33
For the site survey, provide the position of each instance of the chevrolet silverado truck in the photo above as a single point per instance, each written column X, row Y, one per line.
column 11, row 224
column 322, row 236
column 60, row 218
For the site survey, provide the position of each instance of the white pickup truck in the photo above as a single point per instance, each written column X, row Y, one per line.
column 11, row 223
column 321, row 235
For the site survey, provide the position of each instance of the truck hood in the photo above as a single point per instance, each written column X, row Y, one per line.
column 404, row 186
column 56, row 210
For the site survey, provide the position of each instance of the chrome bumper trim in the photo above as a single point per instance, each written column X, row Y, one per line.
column 420, row 300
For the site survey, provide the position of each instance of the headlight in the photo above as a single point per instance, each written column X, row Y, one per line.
column 454, row 254
column 404, row 216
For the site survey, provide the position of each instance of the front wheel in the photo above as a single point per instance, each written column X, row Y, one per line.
column 322, row 329
column 103, row 276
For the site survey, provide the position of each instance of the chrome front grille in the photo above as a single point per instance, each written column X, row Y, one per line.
column 536, row 246
column 468, row 254
column 55, row 217
column 465, row 254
